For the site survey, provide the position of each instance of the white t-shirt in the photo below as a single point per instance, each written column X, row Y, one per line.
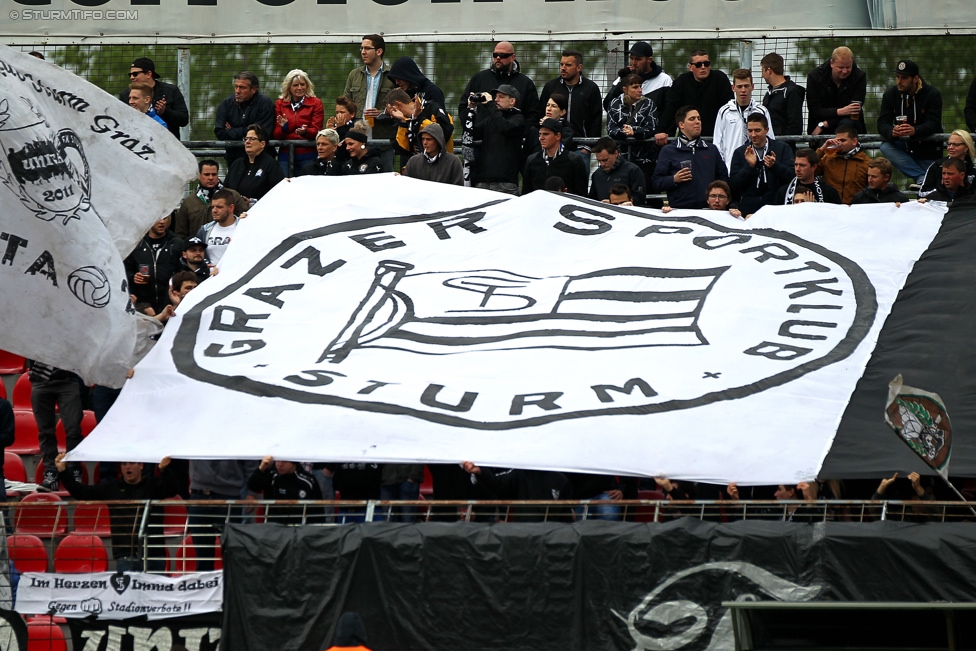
column 218, row 240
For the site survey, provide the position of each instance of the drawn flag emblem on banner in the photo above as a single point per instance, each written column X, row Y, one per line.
column 441, row 313
column 920, row 420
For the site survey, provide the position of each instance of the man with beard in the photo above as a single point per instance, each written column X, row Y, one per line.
column 706, row 89
column 806, row 185
column 194, row 210
column 584, row 111
column 844, row 165
column 504, row 69
column 656, row 85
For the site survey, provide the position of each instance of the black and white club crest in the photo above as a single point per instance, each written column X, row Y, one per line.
column 464, row 318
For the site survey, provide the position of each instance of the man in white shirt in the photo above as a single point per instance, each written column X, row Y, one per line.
column 730, row 125
column 218, row 233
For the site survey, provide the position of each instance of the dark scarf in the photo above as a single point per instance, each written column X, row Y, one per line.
column 791, row 190
column 205, row 195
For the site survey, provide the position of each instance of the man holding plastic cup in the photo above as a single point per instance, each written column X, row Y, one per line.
column 911, row 111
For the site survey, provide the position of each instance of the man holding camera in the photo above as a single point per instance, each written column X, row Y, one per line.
column 500, row 126
column 504, row 69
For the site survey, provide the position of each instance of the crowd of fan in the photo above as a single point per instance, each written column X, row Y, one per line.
column 654, row 142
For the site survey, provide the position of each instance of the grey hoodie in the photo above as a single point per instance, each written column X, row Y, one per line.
column 445, row 168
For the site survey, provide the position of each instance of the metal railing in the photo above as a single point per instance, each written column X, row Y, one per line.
column 176, row 536
column 217, row 148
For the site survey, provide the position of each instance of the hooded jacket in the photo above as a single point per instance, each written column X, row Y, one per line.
column 848, row 175
column 824, row 97
column 407, row 69
column 350, row 632
column 655, row 87
column 443, row 168
column 707, row 96
column 924, row 112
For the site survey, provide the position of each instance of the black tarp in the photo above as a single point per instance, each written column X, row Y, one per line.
column 930, row 338
column 590, row 585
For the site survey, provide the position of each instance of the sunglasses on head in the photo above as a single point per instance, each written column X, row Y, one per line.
column 702, row 64
column 502, row 55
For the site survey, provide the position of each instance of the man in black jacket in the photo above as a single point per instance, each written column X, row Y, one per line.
column 806, row 185
column 127, row 548
column 554, row 160
column 706, row 89
column 516, row 484
column 656, row 86
column 152, row 263
column 584, row 112
column 286, row 480
column 759, row 167
column 911, row 110
column 167, row 98
column 504, row 69
column 880, row 189
column 835, row 94
column 613, row 170
column 245, row 107
column 500, row 126
column 783, row 99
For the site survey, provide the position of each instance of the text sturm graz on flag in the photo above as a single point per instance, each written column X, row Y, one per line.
column 476, row 319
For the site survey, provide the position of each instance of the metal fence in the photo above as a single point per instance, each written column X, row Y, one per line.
column 178, row 537
column 947, row 62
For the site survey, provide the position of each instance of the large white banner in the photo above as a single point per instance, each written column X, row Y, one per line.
column 82, row 178
column 386, row 319
column 210, row 21
column 108, row 595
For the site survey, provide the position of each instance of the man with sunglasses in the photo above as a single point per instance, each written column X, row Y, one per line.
column 167, row 98
column 504, row 69
column 702, row 87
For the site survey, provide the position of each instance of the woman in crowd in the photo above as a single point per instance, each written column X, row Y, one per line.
column 718, row 194
column 631, row 118
column 299, row 115
column 960, row 145
column 556, row 108
column 326, row 144
column 255, row 174
column 342, row 121
column 362, row 159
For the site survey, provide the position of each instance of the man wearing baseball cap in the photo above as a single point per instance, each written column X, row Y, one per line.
column 554, row 160
column 195, row 258
column 911, row 110
column 167, row 98
column 500, row 126
column 655, row 82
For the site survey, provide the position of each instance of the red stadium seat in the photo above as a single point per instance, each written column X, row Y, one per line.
column 93, row 520
column 28, row 553
column 427, row 487
column 22, row 393
column 13, row 467
column 11, row 364
column 646, row 513
column 174, row 518
column 81, row 554
column 186, row 557
column 42, row 514
column 44, row 636
column 87, row 425
column 25, row 433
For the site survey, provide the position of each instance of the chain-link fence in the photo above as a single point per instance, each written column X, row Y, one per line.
column 450, row 65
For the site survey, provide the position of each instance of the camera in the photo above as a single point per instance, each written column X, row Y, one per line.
column 477, row 98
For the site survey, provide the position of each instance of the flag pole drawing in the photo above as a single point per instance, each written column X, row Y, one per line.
column 446, row 312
